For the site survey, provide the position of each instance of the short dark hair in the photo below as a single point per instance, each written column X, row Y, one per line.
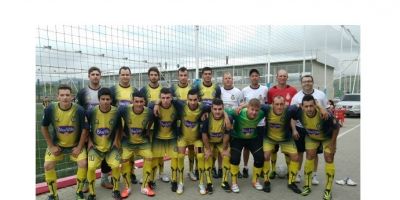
column 254, row 70
column 217, row 102
column 93, row 69
column 308, row 97
column 193, row 91
column 165, row 90
column 182, row 69
column 307, row 76
column 124, row 68
column 153, row 69
column 104, row 91
column 137, row 94
column 64, row 87
column 206, row 69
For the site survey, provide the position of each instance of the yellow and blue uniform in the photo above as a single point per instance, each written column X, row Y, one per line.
column 208, row 93
column 67, row 129
column 278, row 132
column 136, row 141
column 215, row 131
column 189, row 133
column 103, row 127
column 122, row 95
column 180, row 92
column 318, row 131
column 164, row 138
column 151, row 94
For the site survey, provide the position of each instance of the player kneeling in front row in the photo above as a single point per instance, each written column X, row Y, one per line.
column 138, row 120
column 216, row 136
column 319, row 131
column 278, row 118
column 68, row 137
column 104, row 141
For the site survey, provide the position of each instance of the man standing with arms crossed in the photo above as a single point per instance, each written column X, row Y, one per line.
column 286, row 91
column 254, row 90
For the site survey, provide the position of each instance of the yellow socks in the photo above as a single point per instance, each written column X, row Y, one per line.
column 51, row 179
column 308, row 169
column 293, row 169
column 330, row 174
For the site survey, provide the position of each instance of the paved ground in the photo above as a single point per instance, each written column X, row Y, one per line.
column 347, row 161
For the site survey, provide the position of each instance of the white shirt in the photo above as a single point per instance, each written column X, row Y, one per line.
column 259, row 93
column 317, row 94
column 231, row 98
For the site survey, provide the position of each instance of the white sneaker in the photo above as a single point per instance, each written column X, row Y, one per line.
column 164, row 178
column 179, row 190
column 314, row 180
column 141, row 181
column 257, row 186
column 298, row 178
column 202, row 189
column 235, row 188
column 192, row 176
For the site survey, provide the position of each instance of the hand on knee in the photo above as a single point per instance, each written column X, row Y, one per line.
column 49, row 166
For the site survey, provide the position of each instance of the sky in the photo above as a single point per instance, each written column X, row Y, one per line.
column 68, row 50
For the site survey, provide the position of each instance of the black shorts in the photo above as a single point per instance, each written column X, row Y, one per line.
column 255, row 146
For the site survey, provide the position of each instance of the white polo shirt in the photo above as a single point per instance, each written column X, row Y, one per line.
column 231, row 98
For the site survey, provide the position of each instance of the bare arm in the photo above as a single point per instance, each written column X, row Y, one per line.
column 207, row 149
column 77, row 150
column 225, row 145
column 54, row 149
column 295, row 134
column 335, row 133
column 227, row 122
column 324, row 112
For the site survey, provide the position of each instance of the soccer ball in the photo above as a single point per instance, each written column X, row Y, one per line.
column 281, row 171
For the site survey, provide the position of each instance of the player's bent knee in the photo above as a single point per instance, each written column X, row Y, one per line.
column 329, row 158
column 49, row 166
column 267, row 155
column 294, row 157
column 83, row 163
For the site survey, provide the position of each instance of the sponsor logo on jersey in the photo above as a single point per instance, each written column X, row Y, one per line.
column 233, row 97
column 124, row 102
column 190, row 124
column 216, row 134
column 66, row 129
column 207, row 101
column 136, row 131
column 313, row 132
column 165, row 124
column 248, row 131
column 273, row 125
column 103, row 131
